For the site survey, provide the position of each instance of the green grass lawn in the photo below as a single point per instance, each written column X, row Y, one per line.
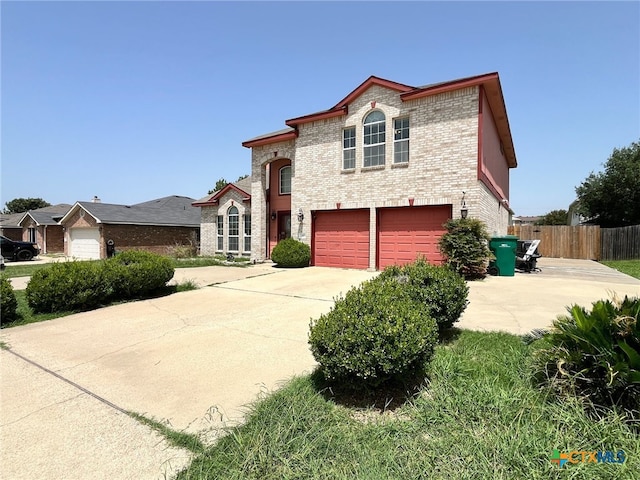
column 630, row 267
column 479, row 417
column 22, row 270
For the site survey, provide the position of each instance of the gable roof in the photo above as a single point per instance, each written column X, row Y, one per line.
column 490, row 82
column 47, row 215
column 175, row 211
column 243, row 187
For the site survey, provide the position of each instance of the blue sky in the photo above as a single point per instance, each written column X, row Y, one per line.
column 132, row 101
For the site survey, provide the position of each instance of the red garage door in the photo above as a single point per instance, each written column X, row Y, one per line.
column 406, row 232
column 341, row 238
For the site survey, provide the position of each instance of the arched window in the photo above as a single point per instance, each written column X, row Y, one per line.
column 234, row 230
column 285, row 180
column 374, row 139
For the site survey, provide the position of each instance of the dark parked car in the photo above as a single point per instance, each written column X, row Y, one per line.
column 14, row 250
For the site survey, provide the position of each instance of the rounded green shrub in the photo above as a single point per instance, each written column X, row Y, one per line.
column 375, row 333
column 136, row 273
column 291, row 253
column 67, row 286
column 465, row 247
column 8, row 302
column 437, row 289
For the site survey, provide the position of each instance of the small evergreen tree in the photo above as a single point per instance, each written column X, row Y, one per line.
column 465, row 247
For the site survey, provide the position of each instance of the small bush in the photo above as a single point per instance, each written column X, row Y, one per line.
column 291, row 253
column 438, row 289
column 594, row 354
column 8, row 302
column 374, row 334
column 465, row 247
column 136, row 273
column 67, row 286
column 183, row 251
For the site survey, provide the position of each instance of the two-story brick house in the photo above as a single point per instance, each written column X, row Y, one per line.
column 370, row 181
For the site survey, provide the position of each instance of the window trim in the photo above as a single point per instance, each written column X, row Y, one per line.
column 247, row 234
column 220, row 233
column 350, row 149
column 231, row 236
column 280, row 180
column 379, row 123
column 401, row 140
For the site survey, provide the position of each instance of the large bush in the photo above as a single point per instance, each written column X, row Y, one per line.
column 594, row 354
column 136, row 273
column 465, row 247
column 291, row 253
column 66, row 286
column 375, row 333
column 8, row 302
column 438, row 289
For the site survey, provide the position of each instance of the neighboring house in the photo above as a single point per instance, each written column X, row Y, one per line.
column 226, row 220
column 525, row 220
column 9, row 226
column 41, row 226
column 370, row 181
column 157, row 226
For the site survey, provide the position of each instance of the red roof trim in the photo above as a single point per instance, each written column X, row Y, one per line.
column 317, row 116
column 214, row 199
column 342, row 107
column 372, row 80
column 280, row 137
column 448, row 86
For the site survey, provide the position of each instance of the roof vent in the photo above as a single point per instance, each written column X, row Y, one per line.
column 95, row 199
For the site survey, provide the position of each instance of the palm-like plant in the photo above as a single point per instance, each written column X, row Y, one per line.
column 595, row 354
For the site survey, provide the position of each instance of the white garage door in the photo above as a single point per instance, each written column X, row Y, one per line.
column 85, row 243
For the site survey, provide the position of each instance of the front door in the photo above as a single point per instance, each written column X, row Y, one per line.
column 284, row 225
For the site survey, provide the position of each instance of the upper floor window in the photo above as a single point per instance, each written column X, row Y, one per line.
column 234, row 230
column 349, row 148
column 401, row 140
column 285, row 180
column 374, row 139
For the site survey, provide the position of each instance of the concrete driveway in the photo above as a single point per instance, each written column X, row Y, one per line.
column 196, row 359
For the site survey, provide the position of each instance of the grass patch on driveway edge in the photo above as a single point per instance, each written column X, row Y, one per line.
column 479, row 417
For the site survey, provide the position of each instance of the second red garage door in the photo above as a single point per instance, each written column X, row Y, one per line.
column 406, row 232
column 341, row 238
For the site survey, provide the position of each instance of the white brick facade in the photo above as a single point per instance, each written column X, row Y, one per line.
column 444, row 141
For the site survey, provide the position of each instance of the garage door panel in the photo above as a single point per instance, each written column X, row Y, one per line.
column 407, row 232
column 341, row 238
column 85, row 243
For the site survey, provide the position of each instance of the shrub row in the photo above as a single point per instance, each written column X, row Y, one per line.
column 594, row 355
column 387, row 328
column 8, row 302
column 69, row 286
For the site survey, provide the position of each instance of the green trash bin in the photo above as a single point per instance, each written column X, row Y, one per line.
column 504, row 249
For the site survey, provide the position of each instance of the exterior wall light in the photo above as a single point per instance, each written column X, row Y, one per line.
column 273, row 215
column 464, row 210
column 300, row 215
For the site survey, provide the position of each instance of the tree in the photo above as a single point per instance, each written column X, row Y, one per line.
column 20, row 205
column 221, row 183
column 612, row 198
column 554, row 217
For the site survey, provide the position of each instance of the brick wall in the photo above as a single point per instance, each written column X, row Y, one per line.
column 152, row 238
column 443, row 162
column 209, row 226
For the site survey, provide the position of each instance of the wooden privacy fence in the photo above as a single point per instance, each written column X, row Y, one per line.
column 582, row 242
column 621, row 243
